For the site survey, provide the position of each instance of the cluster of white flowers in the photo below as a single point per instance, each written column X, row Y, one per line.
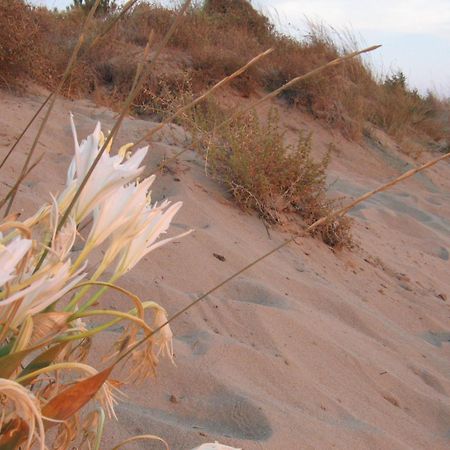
column 39, row 266
column 119, row 206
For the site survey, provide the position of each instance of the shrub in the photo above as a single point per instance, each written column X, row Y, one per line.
column 400, row 110
column 216, row 38
column 262, row 173
column 240, row 14
column 19, row 33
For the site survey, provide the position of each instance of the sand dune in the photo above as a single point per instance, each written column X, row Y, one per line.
column 309, row 349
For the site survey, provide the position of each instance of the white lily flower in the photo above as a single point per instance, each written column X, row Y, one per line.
column 10, row 256
column 215, row 446
column 123, row 236
column 120, row 209
column 144, row 242
column 110, row 173
column 43, row 292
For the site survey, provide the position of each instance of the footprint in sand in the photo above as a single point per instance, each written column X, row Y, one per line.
column 220, row 413
column 437, row 338
column 250, row 291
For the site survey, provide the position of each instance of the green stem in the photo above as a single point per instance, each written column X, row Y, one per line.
column 109, row 312
column 80, row 294
column 97, row 295
column 93, row 331
column 93, row 299
column 101, row 426
column 88, row 333
column 53, row 367
column 71, row 305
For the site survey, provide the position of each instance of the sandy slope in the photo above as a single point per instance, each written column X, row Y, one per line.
column 309, row 349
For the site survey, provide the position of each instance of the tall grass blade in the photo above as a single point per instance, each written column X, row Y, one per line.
column 132, row 95
column 274, row 93
column 202, row 97
column 296, row 80
column 334, row 214
column 65, row 76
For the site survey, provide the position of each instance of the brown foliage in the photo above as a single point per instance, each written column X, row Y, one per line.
column 216, row 38
column 69, row 401
column 262, row 173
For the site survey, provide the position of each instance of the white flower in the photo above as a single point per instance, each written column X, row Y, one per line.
column 110, row 173
column 10, row 256
column 156, row 223
column 42, row 292
column 121, row 209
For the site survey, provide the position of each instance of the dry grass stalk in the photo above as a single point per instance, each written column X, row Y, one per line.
column 202, row 97
column 276, row 92
column 339, row 212
column 52, row 100
column 296, row 80
column 141, row 74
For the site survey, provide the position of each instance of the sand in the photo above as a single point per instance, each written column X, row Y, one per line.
column 310, row 349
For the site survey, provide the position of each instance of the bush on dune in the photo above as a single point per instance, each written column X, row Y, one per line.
column 264, row 174
column 219, row 37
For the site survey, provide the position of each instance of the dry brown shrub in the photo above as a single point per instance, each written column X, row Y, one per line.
column 216, row 38
column 36, row 43
column 19, row 33
column 262, row 173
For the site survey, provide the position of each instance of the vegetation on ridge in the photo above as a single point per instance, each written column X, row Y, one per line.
column 216, row 38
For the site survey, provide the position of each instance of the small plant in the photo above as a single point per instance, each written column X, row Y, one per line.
column 46, row 296
column 264, row 174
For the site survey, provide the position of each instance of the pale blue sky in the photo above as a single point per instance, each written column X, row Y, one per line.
column 415, row 33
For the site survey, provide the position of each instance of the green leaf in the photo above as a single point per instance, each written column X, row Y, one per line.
column 5, row 349
column 9, row 363
column 43, row 360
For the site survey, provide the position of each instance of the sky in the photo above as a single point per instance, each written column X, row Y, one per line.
column 415, row 34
